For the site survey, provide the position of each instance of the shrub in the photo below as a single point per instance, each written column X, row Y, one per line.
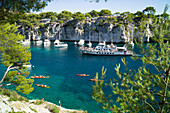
column 55, row 109
column 5, row 92
column 14, row 96
column 23, row 99
column 38, row 102
column 42, row 25
column 33, row 109
column 61, row 21
column 52, row 108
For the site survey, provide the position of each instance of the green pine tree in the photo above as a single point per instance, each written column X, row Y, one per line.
column 143, row 90
column 13, row 55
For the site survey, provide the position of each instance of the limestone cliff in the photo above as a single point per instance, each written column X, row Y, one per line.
column 94, row 28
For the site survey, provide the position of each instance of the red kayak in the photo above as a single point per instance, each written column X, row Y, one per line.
column 39, row 76
column 94, row 79
column 82, row 75
column 40, row 85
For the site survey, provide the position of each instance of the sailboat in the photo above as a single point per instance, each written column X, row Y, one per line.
column 57, row 42
column 26, row 42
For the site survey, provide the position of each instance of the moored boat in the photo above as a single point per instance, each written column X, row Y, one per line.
column 26, row 42
column 41, row 85
column 57, row 43
column 106, row 50
column 28, row 65
column 82, row 75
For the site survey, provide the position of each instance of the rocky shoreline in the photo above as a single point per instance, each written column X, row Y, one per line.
column 32, row 106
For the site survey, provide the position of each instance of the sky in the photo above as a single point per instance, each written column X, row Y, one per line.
column 85, row 6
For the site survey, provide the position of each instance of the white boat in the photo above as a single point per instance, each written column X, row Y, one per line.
column 81, row 42
column 26, row 42
column 57, row 43
column 75, row 42
column 47, row 42
column 106, row 50
column 28, row 65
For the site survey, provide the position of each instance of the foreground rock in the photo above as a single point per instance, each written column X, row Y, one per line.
column 32, row 106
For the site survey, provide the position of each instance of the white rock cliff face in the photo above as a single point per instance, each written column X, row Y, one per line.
column 75, row 30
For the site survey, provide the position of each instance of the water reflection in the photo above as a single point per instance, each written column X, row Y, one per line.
column 61, row 48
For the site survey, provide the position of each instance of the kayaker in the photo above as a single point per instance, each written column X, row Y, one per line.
column 59, row 103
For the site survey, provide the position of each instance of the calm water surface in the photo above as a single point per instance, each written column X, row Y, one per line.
column 62, row 65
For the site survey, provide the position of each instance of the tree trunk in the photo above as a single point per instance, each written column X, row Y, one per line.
column 6, row 84
column 9, row 68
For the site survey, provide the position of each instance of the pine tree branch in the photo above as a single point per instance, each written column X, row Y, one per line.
column 155, row 99
column 6, row 84
column 165, row 89
column 158, row 94
column 149, row 59
column 150, row 106
column 154, row 65
column 9, row 68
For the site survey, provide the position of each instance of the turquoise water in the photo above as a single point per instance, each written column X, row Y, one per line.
column 62, row 65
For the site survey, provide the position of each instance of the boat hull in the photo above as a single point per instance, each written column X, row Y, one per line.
column 106, row 53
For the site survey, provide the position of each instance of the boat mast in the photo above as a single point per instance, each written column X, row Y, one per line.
column 111, row 39
column 59, row 35
column 89, row 36
column 99, row 36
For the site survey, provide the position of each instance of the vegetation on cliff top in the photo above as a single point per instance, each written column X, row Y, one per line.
column 30, row 21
